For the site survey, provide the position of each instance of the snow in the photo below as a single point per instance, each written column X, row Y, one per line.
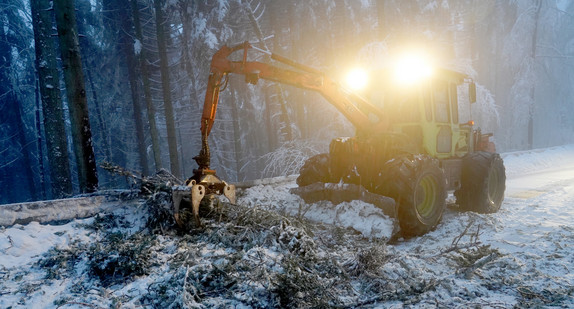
column 137, row 46
column 364, row 218
column 522, row 256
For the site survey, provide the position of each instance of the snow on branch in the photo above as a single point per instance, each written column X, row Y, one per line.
column 288, row 158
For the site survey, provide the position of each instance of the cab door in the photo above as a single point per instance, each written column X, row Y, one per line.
column 443, row 118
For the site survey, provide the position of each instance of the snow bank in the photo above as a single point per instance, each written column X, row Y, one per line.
column 533, row 161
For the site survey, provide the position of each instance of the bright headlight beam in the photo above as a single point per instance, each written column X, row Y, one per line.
column 357, row 79
column 411, row 68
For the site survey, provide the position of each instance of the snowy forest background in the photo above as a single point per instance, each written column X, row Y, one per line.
column 520, row 53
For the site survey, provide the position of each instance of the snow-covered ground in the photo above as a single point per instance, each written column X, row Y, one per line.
column 276, row 251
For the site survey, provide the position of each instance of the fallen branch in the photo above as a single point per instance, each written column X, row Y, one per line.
column 479, row 264
column 529, row 294
column 161, row 181
column 474, row 242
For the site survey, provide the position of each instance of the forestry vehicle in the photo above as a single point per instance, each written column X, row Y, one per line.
column 409, row 150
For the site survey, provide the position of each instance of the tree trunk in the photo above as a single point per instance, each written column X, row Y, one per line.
column 12, row 124
column 40, row 144
column 100, row 123
column 166, row 87
column 186, row 21
column 53, row 112
column 533, row 88
column 236, row 137
column 147, row 88
column 128, row 48
column 285, row 120
column 76, row 94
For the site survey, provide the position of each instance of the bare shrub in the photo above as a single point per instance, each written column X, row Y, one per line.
column 289, row 157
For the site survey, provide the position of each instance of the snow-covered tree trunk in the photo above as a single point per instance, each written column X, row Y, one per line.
column 166, row 88
column 40, row 145
column 119, row 16
column 49, row 81
column 76, row 94
column 145, row 75
column 136, row 104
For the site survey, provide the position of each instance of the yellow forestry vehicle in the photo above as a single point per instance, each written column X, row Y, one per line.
column 408, row 152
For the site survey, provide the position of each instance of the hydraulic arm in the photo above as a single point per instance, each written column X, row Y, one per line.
column 204, row 181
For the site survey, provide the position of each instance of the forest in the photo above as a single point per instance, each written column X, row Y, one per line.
column 86, row 84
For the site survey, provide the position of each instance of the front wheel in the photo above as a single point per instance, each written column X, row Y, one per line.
column 483, row 182
column 419, row 188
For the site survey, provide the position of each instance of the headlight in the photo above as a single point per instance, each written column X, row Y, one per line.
column 357, row 79
column 411, row 68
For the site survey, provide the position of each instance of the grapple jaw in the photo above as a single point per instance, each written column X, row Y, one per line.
column 207, row 184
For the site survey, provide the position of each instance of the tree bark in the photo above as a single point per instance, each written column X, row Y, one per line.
column 76, row 94
column 53, row 112
column 166, row 89
column 40, row 144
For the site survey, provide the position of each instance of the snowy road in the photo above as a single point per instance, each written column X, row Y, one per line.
column 543, row 200
column 533, row 185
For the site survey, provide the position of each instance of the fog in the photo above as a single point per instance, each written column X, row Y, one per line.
column 519, row 53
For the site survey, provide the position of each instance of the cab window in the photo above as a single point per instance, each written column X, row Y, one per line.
column 454, row 102
column 441, row 100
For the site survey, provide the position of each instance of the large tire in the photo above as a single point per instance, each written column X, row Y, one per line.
column 483, row 182
column 315, row 169
column 418, row 186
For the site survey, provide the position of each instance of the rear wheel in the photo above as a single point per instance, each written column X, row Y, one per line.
column 315, row 169
column 418, row 186
column 483, row 182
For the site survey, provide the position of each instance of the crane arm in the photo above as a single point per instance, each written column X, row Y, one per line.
column 352, row 106
column 204, row 181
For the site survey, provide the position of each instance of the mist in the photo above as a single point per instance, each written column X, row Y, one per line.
column 519, row 53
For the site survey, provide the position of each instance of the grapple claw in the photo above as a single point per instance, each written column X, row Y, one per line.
column 229, row 193
column 187, row 199
column 197, row 194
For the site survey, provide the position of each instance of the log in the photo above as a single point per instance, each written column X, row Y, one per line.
column 66, row 209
